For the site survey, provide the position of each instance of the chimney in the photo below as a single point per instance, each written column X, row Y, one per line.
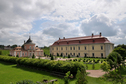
column 63, row 37
column 59, row 38
column 92, row 34
column 100, row 34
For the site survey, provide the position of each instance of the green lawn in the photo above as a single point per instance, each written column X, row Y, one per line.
column 12, row 73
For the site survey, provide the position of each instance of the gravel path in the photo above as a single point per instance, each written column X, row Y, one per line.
column 95, row 73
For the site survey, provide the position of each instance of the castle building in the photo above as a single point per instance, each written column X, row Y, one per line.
column 87, row 46
column 27, row 50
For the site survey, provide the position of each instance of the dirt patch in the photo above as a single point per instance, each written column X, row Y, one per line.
column 95, row 73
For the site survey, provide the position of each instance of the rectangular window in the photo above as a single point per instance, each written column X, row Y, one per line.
column 70, row 48
column 61, row 48
column 57, row 48
column 73, row 48
column 74, row 54
column 78, row 54
column 101, row 47
column 78, row 48
column 92, row 47
column 22, row 54
column 92, row 54
column 66, row 54
column 101, row 55
column 70, row 53
column 85, row 47
column 25, row 54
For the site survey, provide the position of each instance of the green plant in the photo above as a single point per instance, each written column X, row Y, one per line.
column 33, row 56
column 68, row 56
column 17, row 56
column 93, row 66
column 81, row 76
column 66, row 78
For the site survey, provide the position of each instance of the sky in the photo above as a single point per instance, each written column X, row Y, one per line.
column 47, row 20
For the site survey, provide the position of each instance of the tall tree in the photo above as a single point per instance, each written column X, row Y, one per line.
column 81, row 76
column 121, row 51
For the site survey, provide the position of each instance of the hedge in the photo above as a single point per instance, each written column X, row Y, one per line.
column 49, row 65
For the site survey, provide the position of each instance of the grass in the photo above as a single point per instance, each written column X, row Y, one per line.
column 5, row 52
column 11, row 73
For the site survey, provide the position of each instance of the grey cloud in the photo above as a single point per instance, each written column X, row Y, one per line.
column 99, row 23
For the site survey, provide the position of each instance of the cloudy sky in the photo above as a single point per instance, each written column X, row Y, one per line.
column 47, row 20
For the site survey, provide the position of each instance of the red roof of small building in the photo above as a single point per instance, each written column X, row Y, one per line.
column 81, row 40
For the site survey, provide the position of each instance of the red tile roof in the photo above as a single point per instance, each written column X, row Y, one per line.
column 82, row 40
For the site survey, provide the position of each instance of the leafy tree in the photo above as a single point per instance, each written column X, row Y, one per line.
column 77, row 55
column 105, row 67
column 61, row 54
column 17, row 56
column 122, row 46
column 68, row 56
column 81, row 76
column 66, row 78
column 57, row 54
column 33, row 56
column 13, row 46
column 52, row 57
column 121, row 51
column 0, row 52
column 114, row 59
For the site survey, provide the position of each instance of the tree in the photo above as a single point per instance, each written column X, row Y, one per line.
column 121, row 51
column 68, row 56
column 81, row 76
column 61, row 54
column 33, row 56
column 66, row 78
column 114, row 59
column 105, row 67
column 57, row 54
column 17, row 56
column 52, row 57
column 13, row 46
column 0, row 52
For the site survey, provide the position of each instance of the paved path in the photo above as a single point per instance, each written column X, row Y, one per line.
column 95, row 73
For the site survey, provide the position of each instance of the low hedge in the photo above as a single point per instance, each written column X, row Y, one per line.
column 49, row 65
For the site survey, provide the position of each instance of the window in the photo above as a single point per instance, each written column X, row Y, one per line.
column 30, row 47
column 92, row 47
column 57, row 48
column 85, row 47
column 92, row 54
column 79, row 54
column 25, row 54
column 73, row 48
column 61, row 48
column 52, row 48
column 101, row 55
column 22, row 54
column 33, row 47
column 70, row 48
column 66, row 48
column 74, row 54
column 78, row 48
column 66, row 54
column 85, row 54
column 70, row 53
column 101, row 47
column 39, row 53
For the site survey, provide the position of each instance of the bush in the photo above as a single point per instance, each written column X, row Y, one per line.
column 68, row 56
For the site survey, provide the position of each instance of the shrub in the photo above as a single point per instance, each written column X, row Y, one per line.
column 93, row 66
column 33, row 56
column 68, row 56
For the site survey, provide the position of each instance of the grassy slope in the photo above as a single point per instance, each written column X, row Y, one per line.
column 12, row 73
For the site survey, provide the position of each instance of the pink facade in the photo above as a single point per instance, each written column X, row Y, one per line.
column 27, row 50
